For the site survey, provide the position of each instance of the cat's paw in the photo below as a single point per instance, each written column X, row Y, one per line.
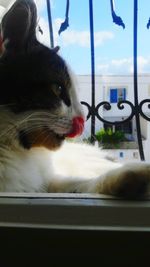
column 129, row 181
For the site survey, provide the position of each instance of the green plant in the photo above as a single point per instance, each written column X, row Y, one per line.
column 108, row 138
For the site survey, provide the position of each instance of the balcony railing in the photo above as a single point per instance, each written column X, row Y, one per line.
column 93, row 110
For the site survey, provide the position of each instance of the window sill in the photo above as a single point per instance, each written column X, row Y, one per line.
column 74, row 211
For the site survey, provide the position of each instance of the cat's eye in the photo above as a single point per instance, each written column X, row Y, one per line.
column 61, row 92
column 57, row 89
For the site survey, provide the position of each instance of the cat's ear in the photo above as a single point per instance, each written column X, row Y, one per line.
column 18, row 26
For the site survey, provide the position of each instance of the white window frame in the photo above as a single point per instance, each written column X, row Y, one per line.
column 118, row 88
column 73, row 211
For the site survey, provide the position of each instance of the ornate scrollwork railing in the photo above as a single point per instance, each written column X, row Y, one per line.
column 108, row 106
column 120, row 105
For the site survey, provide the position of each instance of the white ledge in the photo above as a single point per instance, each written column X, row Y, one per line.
column 73, row 211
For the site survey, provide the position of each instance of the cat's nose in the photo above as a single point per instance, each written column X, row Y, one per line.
column 77, row 127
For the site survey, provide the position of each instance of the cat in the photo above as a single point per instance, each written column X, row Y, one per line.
column 39, row 112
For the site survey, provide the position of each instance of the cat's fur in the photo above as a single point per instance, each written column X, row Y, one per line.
column 38, row 103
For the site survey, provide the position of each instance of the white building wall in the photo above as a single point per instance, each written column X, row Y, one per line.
column 146, row 144
column 124, row 155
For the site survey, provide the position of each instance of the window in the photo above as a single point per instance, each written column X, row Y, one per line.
column 117, row 94
column 125, row 127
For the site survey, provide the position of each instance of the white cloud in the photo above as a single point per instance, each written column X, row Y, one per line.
column 71, row 37
column 124, row 65
column 79, row 38
column 82, row 38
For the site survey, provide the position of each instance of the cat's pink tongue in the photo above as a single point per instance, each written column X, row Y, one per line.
column 77, row 127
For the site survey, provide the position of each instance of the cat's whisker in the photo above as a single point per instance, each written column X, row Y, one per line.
column 8, row 131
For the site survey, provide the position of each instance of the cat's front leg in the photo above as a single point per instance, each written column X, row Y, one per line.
column 128, row 181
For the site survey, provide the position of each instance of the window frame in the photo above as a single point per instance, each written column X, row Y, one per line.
column 115, row 98
column 73, row 212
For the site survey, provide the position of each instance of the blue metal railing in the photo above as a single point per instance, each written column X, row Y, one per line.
column 93, row 111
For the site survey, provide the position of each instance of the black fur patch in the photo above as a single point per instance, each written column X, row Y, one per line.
column 26, row 79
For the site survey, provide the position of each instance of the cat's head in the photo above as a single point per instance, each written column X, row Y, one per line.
column 36, row 87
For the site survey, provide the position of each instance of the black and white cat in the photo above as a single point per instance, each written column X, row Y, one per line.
column 39, row 108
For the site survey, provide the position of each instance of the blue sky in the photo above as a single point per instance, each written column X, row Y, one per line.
column 113, row 44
